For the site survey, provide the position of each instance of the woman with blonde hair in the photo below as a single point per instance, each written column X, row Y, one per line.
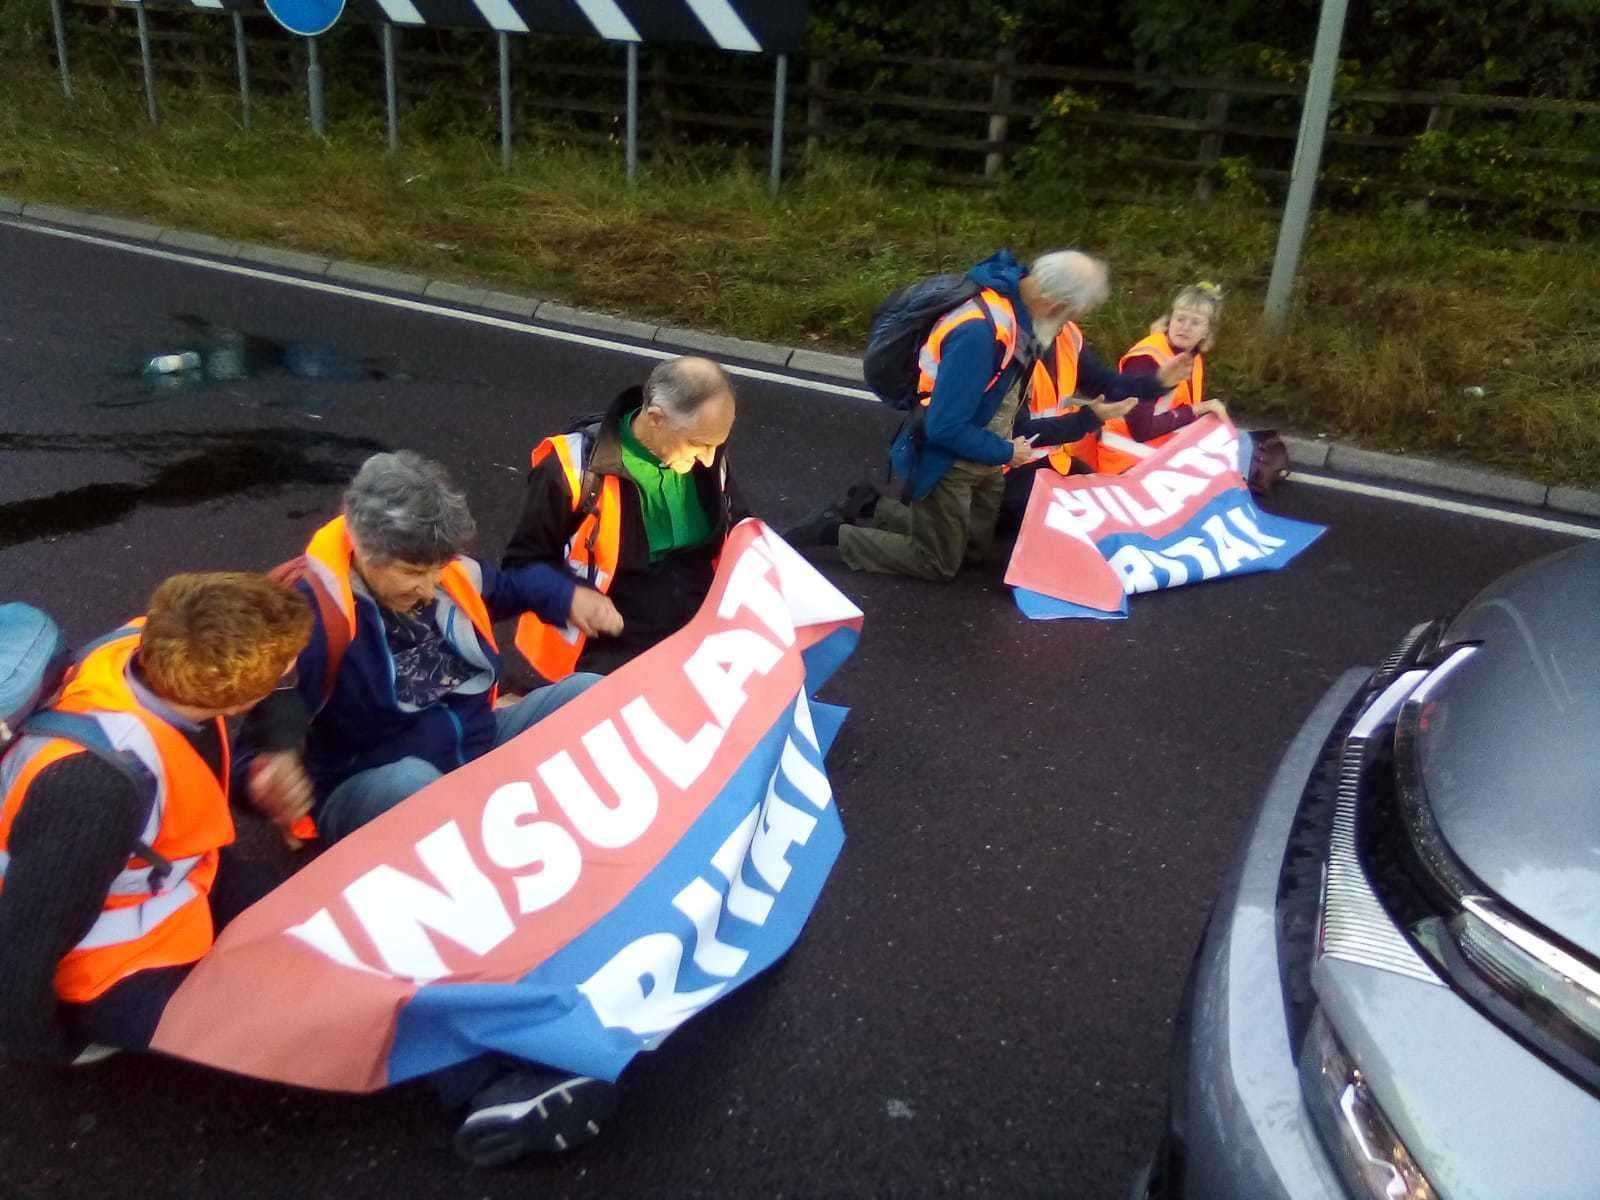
column 1188, row 327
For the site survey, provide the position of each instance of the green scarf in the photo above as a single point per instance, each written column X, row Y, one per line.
column 674, row 518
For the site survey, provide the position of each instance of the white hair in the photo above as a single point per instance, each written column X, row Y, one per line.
column 1073, row 278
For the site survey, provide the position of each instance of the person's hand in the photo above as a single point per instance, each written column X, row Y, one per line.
column 1110, row 410
column 1175, row 370
column 594, row 614
column 1212, row 408
column 1021, row 452
column 281, row 789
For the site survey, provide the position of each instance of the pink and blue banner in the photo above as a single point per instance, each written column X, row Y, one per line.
column 1181, row 516
column 574, row 896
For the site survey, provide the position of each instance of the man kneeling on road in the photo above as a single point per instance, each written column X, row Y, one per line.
column 633, row 508
column 114, row 879
column 400, row 676
column 954, row 450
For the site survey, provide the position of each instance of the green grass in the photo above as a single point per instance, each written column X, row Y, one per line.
column 1396, row 316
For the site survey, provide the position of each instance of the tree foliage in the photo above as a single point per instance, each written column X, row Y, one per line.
column 1532, row 47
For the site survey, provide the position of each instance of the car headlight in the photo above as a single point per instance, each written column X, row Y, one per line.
column 1364, row 1146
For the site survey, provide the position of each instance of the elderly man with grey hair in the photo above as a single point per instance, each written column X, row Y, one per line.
column 399, row 682
column 971, row 424
column 632, row 507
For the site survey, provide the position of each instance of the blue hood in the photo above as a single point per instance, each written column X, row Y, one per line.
column 1002, row 272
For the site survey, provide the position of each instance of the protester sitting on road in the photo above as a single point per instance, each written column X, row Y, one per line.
column 400, row 676
column 632, row 508
column 115, row 879
column 1185, row 332
column 1054, row 422
column 953, row 451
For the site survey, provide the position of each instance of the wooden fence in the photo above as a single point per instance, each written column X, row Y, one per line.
column 971, row 118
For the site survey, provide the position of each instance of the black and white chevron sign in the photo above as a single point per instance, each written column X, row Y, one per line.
column 752, row 25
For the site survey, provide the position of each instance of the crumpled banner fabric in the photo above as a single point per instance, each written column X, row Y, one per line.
column 1182, row 516
column 573, row 896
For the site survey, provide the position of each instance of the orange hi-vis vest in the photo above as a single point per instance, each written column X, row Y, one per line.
column 988, row 305
column 141, row 926
column 330, row 559
column 592, row 552
column 1052, row 387
column 1117, row 448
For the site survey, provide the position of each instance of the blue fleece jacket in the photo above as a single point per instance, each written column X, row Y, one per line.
column 963, row 400
column 362, row 724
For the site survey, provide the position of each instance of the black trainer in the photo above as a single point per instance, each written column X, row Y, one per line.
column 860, row 502
column 819, row 529
column 531, row 1111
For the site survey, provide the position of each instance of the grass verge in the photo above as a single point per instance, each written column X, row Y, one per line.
column 1400, row 318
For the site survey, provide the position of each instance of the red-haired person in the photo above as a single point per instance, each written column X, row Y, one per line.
column 115, row 880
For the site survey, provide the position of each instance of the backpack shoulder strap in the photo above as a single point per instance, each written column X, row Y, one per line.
column 85, row 731
column 592, row 481
column 335, row 625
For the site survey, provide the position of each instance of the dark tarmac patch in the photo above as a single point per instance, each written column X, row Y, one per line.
column 251, row 462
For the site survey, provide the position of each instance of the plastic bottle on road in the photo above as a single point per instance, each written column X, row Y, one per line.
column 172, row 364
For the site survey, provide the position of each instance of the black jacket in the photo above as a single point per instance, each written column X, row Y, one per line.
column 655, row 598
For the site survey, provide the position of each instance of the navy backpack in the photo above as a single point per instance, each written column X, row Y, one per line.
column 899, row 327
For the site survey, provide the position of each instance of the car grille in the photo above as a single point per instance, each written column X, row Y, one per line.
column 1306, row 860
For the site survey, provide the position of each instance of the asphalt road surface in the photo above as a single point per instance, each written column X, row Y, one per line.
column 1037, row 813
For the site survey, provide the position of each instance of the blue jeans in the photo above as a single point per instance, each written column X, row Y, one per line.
column 371, row 793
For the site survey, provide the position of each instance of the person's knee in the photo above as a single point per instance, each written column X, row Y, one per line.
column 574, row 685
column 544, row 701
column 409, row 775
column 367, row 796
column 939, row 562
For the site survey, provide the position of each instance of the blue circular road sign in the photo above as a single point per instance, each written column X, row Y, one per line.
column 308, row 18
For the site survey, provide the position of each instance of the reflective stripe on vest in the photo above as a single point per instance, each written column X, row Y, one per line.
column 553, row 650
column 988, row 305
column 1051, row 389
column 139, row 928
column 115, row 926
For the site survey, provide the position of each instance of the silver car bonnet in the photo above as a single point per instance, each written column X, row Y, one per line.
column 1509, row 745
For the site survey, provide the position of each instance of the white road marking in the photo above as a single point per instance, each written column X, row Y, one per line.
column 1376, row 491
column 439, row 310
column 1454, row 506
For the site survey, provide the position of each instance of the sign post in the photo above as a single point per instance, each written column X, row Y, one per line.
column 314, row 85
column 1307, row 162
column 742, row 26
column 633, row 111
column 309, row 19
column 60, row 26
column 391, row 87
column 243, row 58
column 505, row 100
column 780, row 98
column 146, row 63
